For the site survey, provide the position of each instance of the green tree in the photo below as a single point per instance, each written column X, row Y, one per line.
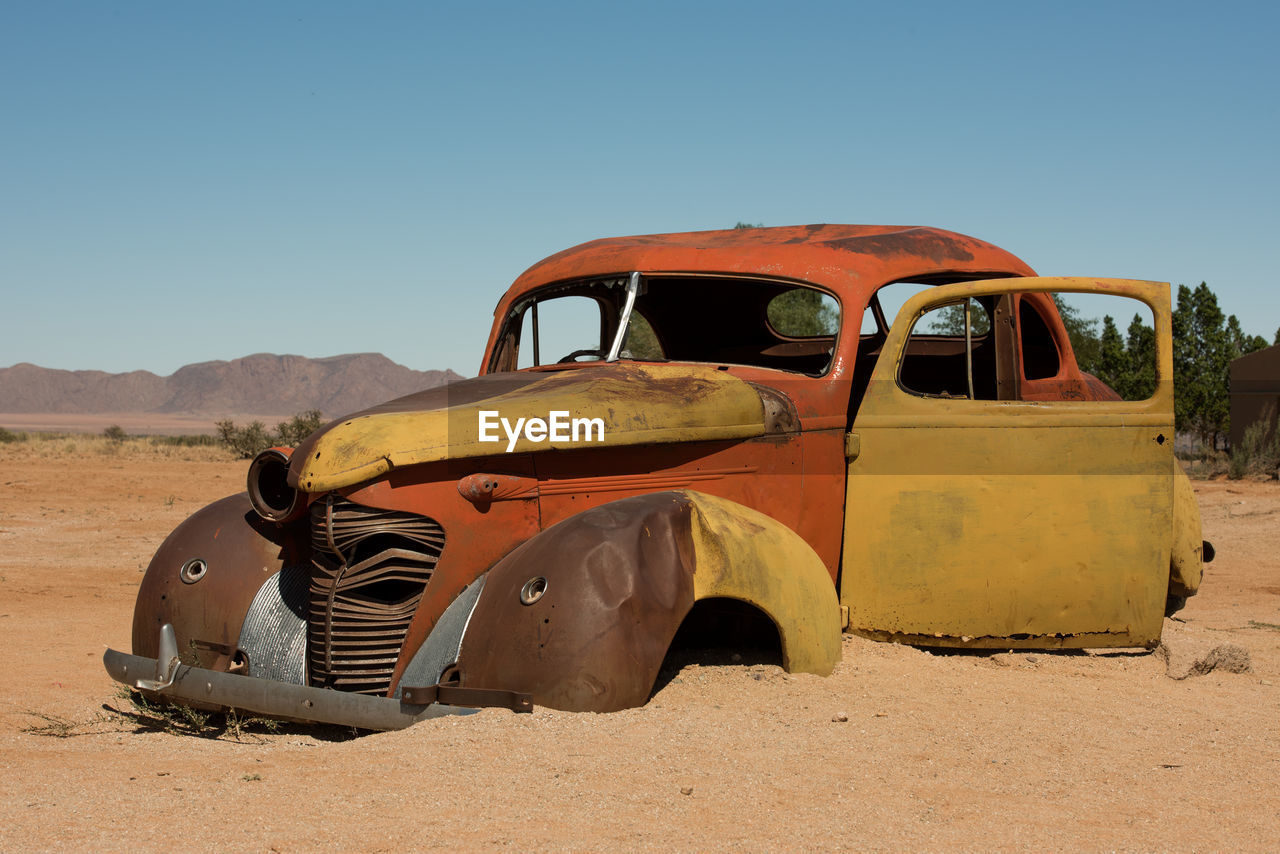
column 1113, row 363
column 1140, row 352
column 803, row 313
column 642, row 342
column 1082, row 333
column 1242, row 344
column 1215, row 364
column 1202, row 353
column 1186, row 392
column 949, row 320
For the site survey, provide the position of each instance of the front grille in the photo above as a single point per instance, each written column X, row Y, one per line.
column 368, row 570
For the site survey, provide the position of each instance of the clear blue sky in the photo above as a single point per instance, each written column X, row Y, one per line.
column 182, row 182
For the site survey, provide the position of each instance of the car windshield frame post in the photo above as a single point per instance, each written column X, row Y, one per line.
column 633, row 287
column 536, row 357
column 968, row 348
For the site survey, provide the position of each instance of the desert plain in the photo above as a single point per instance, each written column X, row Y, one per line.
column 900, row 749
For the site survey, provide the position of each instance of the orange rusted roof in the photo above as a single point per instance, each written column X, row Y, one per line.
column 846, row 258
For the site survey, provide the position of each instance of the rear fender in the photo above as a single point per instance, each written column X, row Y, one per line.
column 1187, row 556
column 581, row 616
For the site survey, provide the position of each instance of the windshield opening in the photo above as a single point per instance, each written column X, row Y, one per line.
column 718, row 319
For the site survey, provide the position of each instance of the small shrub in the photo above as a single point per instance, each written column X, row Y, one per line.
column 59, row 727
column 253, row 439
column 1239, row 465
column 245, row 442
column 7, row 436
column 175, row 719
column 299, row 427
column 115, row 433
column 1259, row 451
column 199, row 440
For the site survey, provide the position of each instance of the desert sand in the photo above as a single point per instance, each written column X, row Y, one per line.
column 898, row 749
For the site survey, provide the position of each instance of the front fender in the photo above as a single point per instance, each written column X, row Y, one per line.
column 582, row 615
column 228, row 553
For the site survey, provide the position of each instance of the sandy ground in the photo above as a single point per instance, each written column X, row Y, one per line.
column 954, row 752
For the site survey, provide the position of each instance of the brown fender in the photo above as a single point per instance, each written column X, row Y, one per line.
column 582, row 615
column 203, row 579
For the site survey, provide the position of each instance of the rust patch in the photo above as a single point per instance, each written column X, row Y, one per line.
column 938, row 247
column 618, row 581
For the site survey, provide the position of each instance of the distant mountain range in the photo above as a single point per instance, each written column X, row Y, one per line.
column 262, row 383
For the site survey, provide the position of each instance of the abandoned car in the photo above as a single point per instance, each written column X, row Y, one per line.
column 726, row 428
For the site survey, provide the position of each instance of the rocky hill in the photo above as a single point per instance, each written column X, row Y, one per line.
column 260, row 383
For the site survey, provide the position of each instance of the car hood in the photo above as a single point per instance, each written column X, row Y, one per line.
column 638, row 404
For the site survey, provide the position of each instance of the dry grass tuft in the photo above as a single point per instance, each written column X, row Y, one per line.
column 177, row 448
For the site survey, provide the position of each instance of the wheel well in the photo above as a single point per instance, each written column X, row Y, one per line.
column 716, row 630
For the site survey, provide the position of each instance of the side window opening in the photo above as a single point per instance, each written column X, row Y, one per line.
column 1114, row 343
column 1034, row 347
column 803, row 324
column 1040, row 359
column 885, row 304
column 942, row 360
column 803, row 313
column 881, row 311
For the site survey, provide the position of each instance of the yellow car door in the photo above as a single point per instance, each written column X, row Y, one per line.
column 1001, row 522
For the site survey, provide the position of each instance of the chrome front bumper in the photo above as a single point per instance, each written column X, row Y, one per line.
column 171, row 679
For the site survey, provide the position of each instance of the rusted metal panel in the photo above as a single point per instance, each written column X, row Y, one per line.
column 795, row 479
column 369, row 567
column 613, row 584
column 238, row 553
column 618, row 582
column 478, row 534
column 635, row 405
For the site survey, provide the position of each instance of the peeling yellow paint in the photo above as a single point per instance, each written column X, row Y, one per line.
column 645, row 404
column 1187, row 561
column 743, row 554
column 1004, row 523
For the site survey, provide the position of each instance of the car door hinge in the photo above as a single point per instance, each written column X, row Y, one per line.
column 852, row 446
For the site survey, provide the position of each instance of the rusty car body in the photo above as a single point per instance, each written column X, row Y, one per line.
column 762, row 446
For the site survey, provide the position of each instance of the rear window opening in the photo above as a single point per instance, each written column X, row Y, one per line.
column 945, row 359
